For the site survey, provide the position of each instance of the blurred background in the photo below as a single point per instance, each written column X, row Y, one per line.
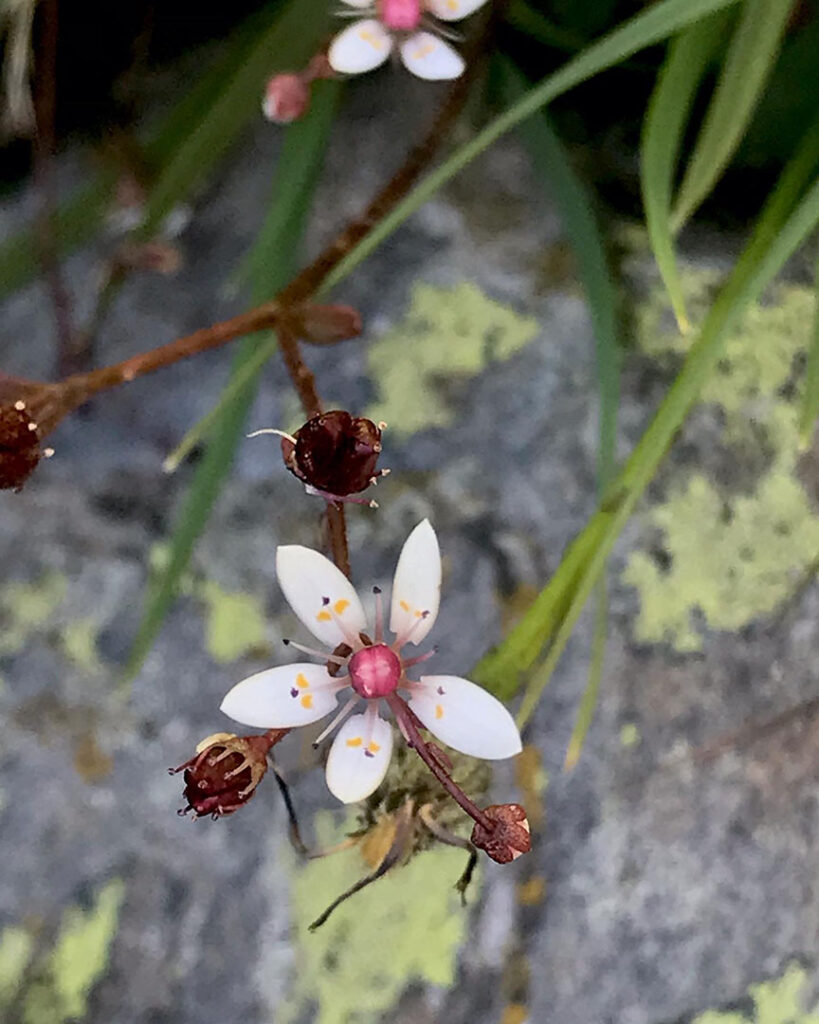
column 520, row 331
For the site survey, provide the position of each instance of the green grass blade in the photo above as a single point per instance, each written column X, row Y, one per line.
column 778, row 234
column 274, row 260
column 580, row 222
column 660, row 21
column 588, row 702
column 689, row 56
column 810, row 402
column 748, row 64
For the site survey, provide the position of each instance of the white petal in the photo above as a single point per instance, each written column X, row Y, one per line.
column 362, row 46
column 282, row 697
column 427, row 56
column 358, row 3
column 359, row 757
column 416, row 587
column 308, row 580
column 466, row 717
column 451, row 10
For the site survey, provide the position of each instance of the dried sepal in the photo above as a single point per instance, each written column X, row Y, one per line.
column 510, row 837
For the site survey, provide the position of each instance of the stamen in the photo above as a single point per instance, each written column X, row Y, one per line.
column 406, row 636
column 315, row 653
column 272, row 430
column 329, row 609
column 370, row 718
column 379, row 616
column 409, row 662
column 337, row 720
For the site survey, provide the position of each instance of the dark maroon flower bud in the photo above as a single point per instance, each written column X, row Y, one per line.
column 334, row 454
column 20, row 449
column 327, row 325
column 225, row 771
column 510, row 837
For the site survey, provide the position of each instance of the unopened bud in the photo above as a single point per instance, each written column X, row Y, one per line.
column 286, row 98
column 510, row 837
column 224, row 772
column 326, row 325
column 334, row 453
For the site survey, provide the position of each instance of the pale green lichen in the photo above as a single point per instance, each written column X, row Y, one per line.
column 733, row 557
column 236, row 623
column 405, row 928
column 79, row 643
column 449, row 335
column 64, row 980
column 16, row 947
column 780, row 1001
column 25, row 608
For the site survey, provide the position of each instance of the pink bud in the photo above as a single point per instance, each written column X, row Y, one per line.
column 286, row 99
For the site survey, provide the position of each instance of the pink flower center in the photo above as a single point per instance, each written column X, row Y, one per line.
column 400, row 15
column 374, row 671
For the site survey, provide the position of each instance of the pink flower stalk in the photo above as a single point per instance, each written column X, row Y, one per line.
column 456, row 711
column 404, row 25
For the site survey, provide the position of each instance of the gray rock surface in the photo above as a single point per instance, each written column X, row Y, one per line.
column 674, row 878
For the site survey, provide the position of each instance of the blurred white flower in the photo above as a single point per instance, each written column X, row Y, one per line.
column 387, row 25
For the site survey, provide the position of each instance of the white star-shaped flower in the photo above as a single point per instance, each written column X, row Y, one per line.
column 401, row 24
column 459, row 713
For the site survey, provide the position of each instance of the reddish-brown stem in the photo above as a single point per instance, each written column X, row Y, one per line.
column 406, row 719
column 300, row 374
column 265, row 316
column 337, row 531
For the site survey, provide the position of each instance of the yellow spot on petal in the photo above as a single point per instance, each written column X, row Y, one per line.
column 439, row 711
column 301, row 682
column 418, row 615
column 375, row 41
column 339, row 606
column 425, row 50
column 324, row 617
column 307, row 701
column 373, row 747
column 356, row 741
column 405, row 607
column 452, row 5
